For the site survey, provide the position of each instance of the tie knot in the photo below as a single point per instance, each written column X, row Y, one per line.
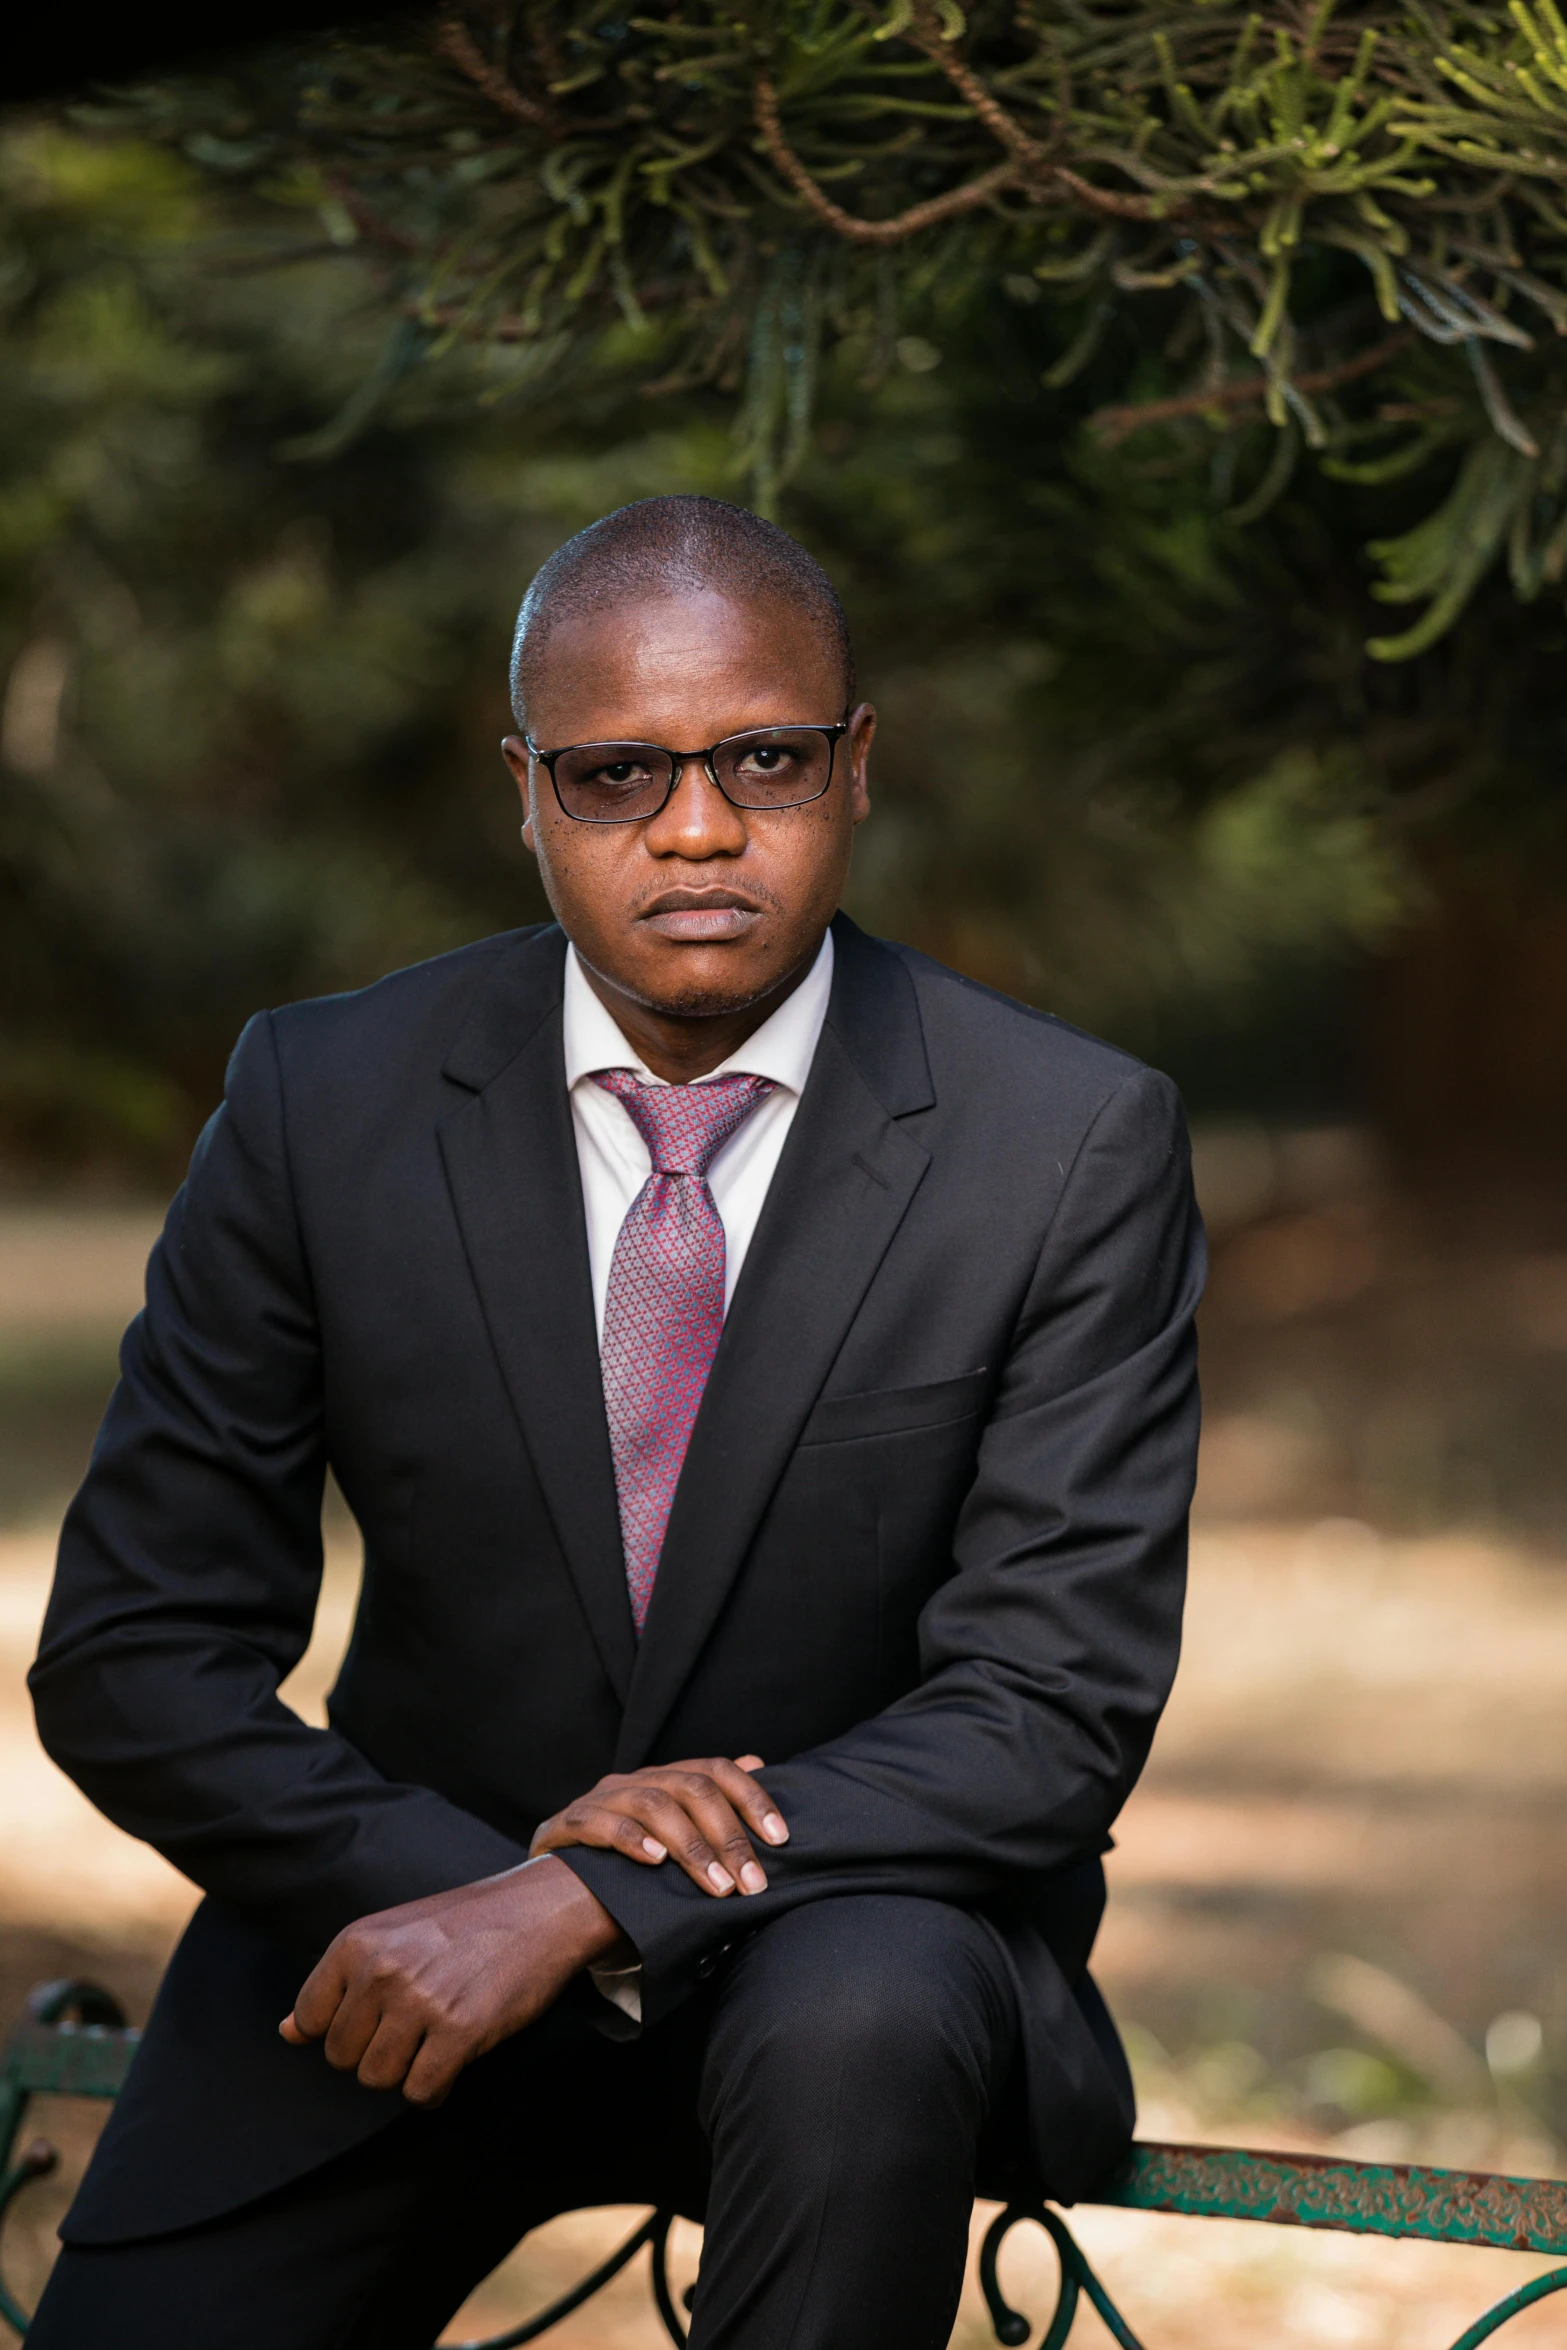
column 685, row 1126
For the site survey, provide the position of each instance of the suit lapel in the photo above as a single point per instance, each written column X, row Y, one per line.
column 844, row 1182
column 511, row 1162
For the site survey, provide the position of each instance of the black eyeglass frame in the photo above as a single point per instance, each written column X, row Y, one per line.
column 680, row 760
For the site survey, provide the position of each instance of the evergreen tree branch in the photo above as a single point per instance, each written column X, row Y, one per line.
column 1034, row 157
column 1114, row 423
column 848, row 224
column 456, row 42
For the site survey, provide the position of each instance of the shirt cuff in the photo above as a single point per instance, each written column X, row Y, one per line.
column 620, row 1985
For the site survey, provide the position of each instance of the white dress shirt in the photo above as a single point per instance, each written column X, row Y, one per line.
column 615, row 1163
column 613, row 1156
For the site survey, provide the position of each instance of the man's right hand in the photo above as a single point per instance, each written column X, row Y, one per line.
column 696, row 1813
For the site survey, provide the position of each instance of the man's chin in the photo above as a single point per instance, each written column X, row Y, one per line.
column 697, row 999
column 705, row 982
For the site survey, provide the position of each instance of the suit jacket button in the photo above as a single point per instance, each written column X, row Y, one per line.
column 705, row 1966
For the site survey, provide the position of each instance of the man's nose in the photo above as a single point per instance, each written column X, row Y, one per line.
column 696, row 820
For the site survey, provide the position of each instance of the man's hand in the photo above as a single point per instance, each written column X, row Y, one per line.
column 413, row 1994
column 696, row 1811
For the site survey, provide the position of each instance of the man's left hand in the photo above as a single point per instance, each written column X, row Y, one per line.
column 411, row 1995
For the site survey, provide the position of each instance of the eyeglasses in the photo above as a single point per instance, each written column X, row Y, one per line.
column 625, row 783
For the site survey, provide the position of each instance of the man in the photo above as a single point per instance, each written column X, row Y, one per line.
column 761, row 1365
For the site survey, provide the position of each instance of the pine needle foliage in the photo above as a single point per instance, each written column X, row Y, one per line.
column 1343, row 226
column 250, row 708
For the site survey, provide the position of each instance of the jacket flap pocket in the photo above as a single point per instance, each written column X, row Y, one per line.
column 887, row 1411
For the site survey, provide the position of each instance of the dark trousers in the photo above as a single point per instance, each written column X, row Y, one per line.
column 822, row 2106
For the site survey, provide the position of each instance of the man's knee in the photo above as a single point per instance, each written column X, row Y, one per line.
column 878, row 2004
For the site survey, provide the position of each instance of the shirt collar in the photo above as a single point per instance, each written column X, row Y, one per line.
column 782, row 1048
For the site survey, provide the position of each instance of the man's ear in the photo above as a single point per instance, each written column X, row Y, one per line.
column 862, row 733
column 515, row 753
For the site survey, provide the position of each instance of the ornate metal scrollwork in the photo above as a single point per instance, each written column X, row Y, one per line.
column 1078, row 2278
column 654, row 2231
column 73, row 2041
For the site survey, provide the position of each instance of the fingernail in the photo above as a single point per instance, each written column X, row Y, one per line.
column 774, row 1830
column 752, row 1879
column 719, row 1878
column 653, row 1849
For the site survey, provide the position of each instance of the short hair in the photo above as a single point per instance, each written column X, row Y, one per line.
column 658, row 545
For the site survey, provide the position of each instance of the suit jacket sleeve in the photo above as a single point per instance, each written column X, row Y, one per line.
column 1049, row 1651
column 190, row 1564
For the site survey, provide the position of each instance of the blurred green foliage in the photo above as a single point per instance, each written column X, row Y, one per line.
column 219, row 667
column 1135, row 763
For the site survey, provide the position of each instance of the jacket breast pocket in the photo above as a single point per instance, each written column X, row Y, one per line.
column 892, row 1411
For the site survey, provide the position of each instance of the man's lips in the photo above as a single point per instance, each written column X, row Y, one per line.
column 696, row 916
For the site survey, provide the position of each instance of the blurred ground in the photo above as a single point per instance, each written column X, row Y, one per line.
column 1337, row 1896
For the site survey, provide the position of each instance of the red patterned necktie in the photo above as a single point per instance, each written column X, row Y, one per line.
column 665, row 1307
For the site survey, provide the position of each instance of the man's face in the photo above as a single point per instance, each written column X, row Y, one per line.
column 705, row 907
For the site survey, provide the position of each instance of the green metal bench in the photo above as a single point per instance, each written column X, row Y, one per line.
column 73, row 2041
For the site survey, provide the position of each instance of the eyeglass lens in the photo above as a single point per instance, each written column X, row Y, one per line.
column 773, row 767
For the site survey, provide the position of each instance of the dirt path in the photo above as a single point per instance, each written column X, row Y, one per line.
column 1362, row 1760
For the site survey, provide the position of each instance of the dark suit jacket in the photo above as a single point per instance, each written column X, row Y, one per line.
column 927, row 1554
